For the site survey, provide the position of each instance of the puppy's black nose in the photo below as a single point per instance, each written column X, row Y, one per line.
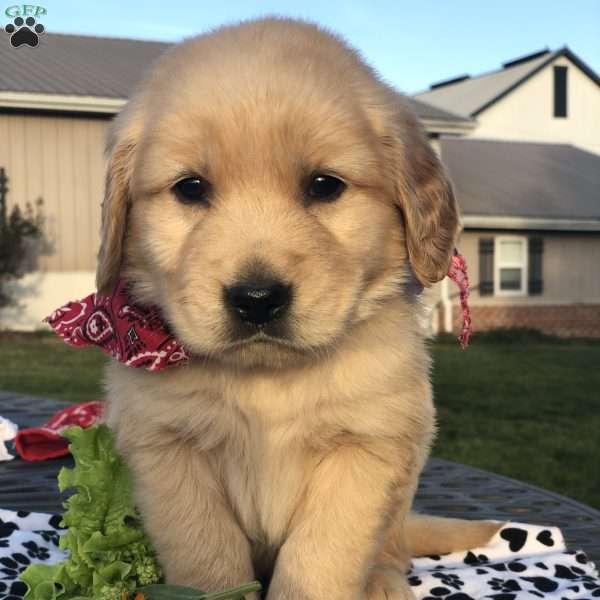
column 260, row 302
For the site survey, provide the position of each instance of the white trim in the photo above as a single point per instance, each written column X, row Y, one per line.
column 447, row 127
column 492, row 222
column 62, row 102
column 523, row 265
column 446, row 306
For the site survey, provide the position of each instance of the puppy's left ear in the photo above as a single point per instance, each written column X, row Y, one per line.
column 424, row 196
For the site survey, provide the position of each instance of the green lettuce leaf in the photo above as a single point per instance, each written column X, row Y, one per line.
column 109, row 553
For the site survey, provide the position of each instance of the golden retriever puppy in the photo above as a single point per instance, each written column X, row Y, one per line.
column 277, row 200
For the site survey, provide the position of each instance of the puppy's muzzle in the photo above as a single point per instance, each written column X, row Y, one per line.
column 260, row 302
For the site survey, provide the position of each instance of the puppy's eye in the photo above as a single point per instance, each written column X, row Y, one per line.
column 192, row 190
column 325, row 188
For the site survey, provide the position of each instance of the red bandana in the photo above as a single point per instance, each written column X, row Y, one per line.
column 134, row 335
column 40, row 443
column 138, row 337
column 458, row 274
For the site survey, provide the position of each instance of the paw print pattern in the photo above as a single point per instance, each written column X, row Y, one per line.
column 50, row 537
column 12, row 591
column 35, row 551
column 472, row 559
column 504, row 585
column 24, row 32
column 449, row 580
column 12, row 566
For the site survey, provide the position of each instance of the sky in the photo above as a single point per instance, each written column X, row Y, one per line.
column 411, row 43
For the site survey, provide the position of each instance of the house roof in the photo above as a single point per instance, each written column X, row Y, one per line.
column 77, row 65
column 522, row 179
column 469, row 96
column 108, row 68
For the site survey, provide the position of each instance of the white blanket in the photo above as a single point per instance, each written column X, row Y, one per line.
column 522, row 562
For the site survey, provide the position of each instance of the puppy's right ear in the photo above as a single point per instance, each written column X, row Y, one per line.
column 424, row 194
column 120, row 151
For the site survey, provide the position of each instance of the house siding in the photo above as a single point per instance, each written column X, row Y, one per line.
column 527, row 112
column 569, row 304
column 570, row 268
column 59, row 159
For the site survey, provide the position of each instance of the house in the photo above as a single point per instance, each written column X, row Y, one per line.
column 551, row 97
column 527, row 180
column 531, row 234
column 57, row 100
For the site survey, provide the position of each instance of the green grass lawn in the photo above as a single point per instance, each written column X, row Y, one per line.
column 521, row 405
column 527, row 408
column 41, row 364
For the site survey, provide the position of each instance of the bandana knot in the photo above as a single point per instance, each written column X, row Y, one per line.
column 134, row 335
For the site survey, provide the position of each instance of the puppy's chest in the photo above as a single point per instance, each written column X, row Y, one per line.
column 264, row 472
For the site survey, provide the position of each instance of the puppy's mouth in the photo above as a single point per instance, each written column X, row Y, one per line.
column 260, row 336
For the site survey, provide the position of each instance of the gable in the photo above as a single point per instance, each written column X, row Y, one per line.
column 586, row 79
column 527, row 113
column 472, row 96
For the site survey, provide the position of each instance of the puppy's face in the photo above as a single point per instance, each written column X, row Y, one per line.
column 266, row 199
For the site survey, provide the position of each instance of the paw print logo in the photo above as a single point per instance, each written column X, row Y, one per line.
column 24, row 32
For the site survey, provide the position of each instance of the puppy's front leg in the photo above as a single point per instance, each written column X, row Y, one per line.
column 337, row 532
column 196, row 536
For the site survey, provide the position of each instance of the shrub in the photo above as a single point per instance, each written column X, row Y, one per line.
column 20, row 241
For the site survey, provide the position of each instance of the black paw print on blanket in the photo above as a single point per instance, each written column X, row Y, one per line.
column 6, row 530
column 24, row 32
column 35, row 551
column 448, row 583
column 517, row 537
column 450, row 580
column 12, row 566
column 504, row 585
column 12, row 591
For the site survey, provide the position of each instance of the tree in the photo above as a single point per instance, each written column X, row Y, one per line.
column 20, row 239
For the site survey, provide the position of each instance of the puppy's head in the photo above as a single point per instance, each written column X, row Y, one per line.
column 269, row 192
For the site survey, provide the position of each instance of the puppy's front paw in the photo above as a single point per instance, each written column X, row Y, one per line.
column 388, row 585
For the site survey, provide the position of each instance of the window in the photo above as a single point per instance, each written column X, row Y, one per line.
column 510, row 266
column 560, row 91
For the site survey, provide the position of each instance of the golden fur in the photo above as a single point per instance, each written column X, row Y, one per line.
column 292, row 459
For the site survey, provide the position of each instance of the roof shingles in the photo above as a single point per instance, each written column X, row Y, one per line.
column 466, row 97
column 77, row 65
column 522, row 179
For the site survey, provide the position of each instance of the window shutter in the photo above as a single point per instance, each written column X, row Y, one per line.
column 536, row 250
column 560, row 91
column 486, row 266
